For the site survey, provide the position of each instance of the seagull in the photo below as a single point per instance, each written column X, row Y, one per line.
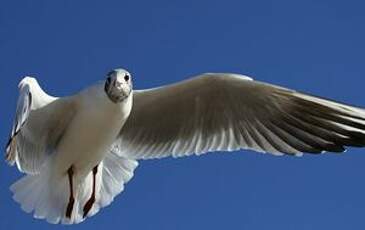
column 78, row 152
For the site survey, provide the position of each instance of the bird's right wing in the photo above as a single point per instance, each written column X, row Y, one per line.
column 39, row 123
column 225, row 112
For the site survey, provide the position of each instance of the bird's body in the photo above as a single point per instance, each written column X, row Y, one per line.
column 91, row 132
column 79, row 151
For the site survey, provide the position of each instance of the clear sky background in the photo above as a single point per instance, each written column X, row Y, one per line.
column 313, row 46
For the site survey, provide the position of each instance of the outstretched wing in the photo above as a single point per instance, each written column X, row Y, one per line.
column 225, row 112
column 39, row 123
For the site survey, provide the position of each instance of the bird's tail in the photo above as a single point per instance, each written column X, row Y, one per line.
column 47, row 196
column 43, row 194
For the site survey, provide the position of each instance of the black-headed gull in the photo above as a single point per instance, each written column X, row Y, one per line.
column 79, row 151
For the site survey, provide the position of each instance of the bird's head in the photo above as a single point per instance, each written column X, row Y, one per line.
column 118, row 85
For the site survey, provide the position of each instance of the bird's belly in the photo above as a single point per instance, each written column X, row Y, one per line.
column 86, row 143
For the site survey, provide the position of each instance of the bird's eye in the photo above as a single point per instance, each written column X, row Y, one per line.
column 126, row 77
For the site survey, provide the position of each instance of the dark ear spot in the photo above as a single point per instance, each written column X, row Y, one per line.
column 107, row 83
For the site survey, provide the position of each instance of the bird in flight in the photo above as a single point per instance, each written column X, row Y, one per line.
column 79, row 151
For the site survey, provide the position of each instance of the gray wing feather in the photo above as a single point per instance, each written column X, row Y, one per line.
column 225, row 112
column 39, row 123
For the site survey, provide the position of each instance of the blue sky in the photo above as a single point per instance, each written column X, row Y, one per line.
column 314, row 46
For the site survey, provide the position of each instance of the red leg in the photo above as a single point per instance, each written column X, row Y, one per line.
column 71, row 201
column 91, row 201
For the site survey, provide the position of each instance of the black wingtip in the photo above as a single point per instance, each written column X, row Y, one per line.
column 8, row 149
column 8, row 144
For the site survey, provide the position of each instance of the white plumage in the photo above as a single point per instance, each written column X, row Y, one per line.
column 79, row 151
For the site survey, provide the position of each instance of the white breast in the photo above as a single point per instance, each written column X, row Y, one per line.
column 92, row 132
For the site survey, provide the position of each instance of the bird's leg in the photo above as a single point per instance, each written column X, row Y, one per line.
column 90, row 202
column 71, row 201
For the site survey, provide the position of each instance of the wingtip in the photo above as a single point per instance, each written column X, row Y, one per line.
column 9, row 152
column 27, row 80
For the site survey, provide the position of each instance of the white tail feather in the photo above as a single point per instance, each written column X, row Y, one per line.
column 47, row 195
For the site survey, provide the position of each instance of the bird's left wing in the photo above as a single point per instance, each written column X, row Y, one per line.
column 225, row 112
column 39, row 123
